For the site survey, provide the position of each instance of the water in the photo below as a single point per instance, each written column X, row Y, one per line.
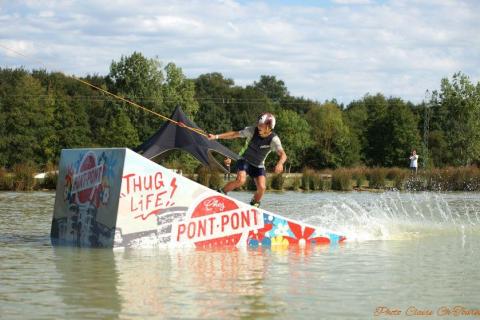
column 405, row 252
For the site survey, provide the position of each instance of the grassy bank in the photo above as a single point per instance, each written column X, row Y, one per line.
column 21, row 178
column 362, row 178
column 374, row 179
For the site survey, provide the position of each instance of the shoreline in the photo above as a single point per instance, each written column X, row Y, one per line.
column 360, row 179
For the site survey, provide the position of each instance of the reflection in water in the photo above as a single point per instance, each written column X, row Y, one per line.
column 194, row 283
column 201, row 283
column 239, row 274
column 89, row 281
column 210, row 284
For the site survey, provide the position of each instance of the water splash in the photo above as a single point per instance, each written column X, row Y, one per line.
column 394, row 215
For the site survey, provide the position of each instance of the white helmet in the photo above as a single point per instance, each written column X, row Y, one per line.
column 268, row 119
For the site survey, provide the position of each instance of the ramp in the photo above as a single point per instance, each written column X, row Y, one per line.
column 116, row 198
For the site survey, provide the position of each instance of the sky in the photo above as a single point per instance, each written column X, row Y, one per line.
column 332, row 49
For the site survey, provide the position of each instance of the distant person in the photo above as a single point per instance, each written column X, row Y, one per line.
column 262, row 141
column 227, row 162
column 414, row 161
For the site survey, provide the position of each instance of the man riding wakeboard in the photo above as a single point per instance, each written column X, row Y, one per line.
column 262, row 141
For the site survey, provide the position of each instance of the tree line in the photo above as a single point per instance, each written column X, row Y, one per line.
column 43, row 112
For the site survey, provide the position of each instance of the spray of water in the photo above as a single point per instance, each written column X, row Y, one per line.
column 396, row 215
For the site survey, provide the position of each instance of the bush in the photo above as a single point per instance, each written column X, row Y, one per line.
column 268, row 183
column 435, row 180
column 181, row 161
column 341, row 180
column 312, row 180
column 453, row 179
column 376, row 178
column 359, row 174
column 472, row 176
column 325, row 184
column 51, row 177
column 467, row 178
column 307, row 179
column 216, row 180
column 277, row 181
column 391, row 173
column 398, row 176
column 191, row 176
column 297, row 183
column 23, row 176
column 209, row 178
column 316, row 182
column 6, row 180
column 321, row 181
column 203, row 176
column 416, row 183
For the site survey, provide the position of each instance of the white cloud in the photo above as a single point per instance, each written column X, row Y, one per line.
column 14, row 48
column 352, row 1
column 46, row 14
column 341, row 50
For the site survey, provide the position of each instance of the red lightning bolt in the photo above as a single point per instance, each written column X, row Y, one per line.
column 173, row 184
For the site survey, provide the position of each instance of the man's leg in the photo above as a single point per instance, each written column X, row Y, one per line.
column 261, row 183
column 237, row 183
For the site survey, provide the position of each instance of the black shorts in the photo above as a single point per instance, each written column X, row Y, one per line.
column 252, row 171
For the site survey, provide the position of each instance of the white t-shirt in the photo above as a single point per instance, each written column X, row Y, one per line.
column 413, row 161
column 248, row 132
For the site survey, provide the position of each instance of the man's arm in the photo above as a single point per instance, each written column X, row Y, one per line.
column 282, row 158
column 225, row 135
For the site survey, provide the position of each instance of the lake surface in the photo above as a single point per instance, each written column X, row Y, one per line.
column 406, row 254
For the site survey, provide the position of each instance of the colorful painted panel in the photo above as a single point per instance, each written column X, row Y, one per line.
column 117, row 198
column 86, row 201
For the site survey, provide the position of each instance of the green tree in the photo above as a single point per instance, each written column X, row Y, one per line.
column 212, row 117
column 274, row 89
column 356, row 117
column 8, row 77
column 456, row 113
column 402, row 133
column 179, row 91
column 439, row 152
column 71, row 124
column 213, row 91
column 334, row 145
column 119, row 131
column 246, row 106
column 386, row 129
column 214, row 86
column 376, row 129
column 295, row 134
column 298, row 104
column 3, row 135
column 140, row 80
column 137, row 77
column 68, row 99
column 27, row 121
